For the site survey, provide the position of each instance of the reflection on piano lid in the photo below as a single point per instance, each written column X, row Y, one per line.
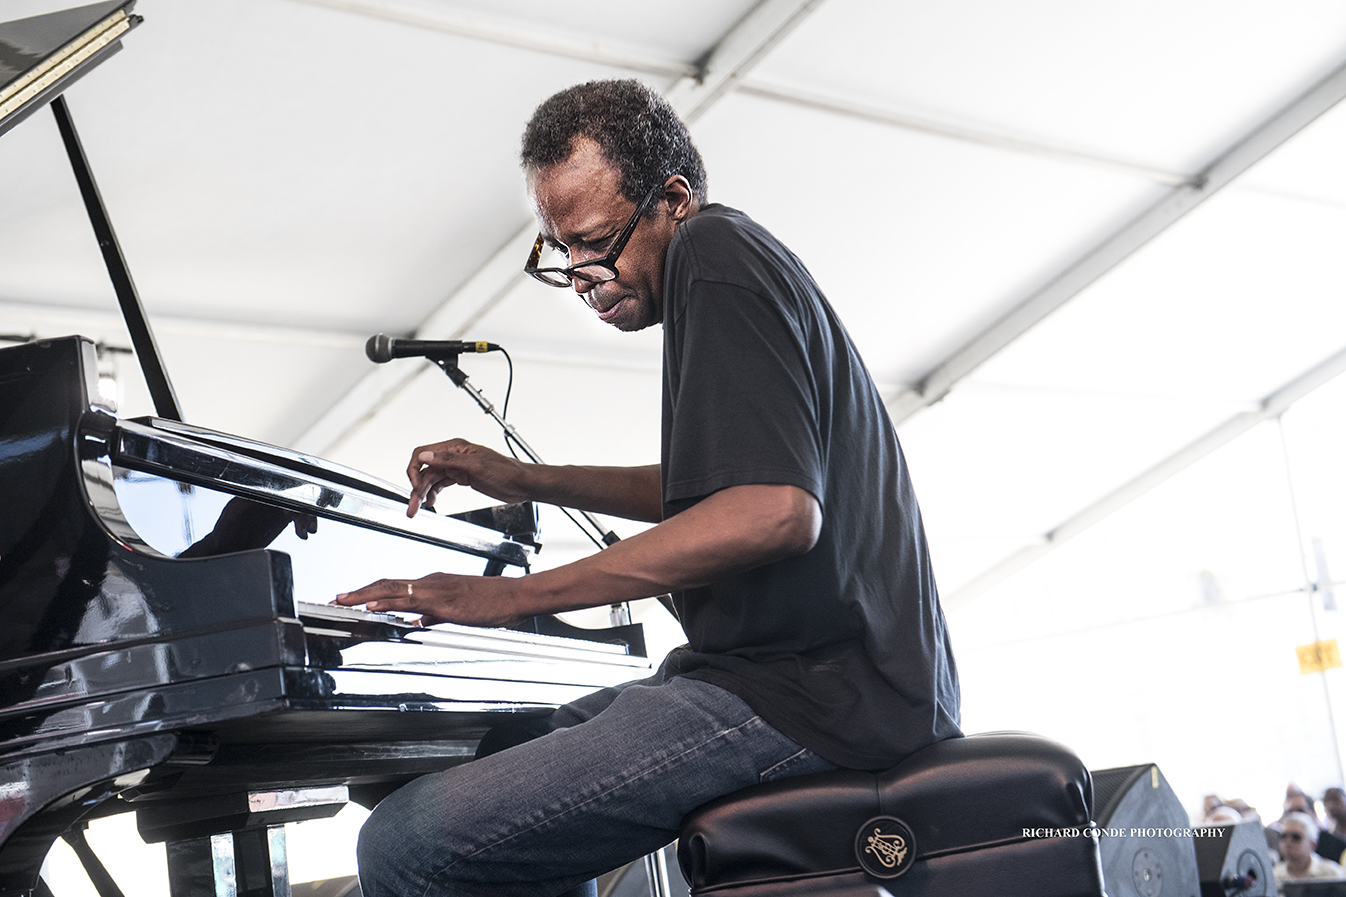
column 288, row 480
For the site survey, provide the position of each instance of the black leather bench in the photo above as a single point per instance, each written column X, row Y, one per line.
column 1001, row 814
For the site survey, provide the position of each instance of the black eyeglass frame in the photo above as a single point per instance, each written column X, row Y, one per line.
column 562, row 277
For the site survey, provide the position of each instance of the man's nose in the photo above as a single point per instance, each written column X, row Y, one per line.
column 581, row 285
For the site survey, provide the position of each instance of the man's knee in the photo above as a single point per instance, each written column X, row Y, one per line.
column 390, row 860
column 507, row 735
column 375, row 852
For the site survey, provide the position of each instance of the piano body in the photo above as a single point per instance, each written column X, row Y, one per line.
column 167, row 644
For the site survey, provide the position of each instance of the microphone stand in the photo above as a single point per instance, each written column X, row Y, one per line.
column 618, row 614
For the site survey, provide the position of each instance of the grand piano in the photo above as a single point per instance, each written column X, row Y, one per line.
column 167, row 645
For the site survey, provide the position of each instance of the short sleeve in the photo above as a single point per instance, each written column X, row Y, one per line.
column 743, row 402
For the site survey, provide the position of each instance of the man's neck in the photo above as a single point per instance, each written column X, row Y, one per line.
column 1299, row 867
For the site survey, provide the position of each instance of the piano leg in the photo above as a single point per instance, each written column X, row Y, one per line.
column 42, row 796
column 246, row 863
column 656, row 868
column 93, row 867
column 233, row 844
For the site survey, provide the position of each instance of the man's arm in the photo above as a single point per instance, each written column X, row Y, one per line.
column 733, row 530
column 630, row 492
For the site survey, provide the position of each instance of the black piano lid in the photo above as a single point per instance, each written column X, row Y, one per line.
column 43, row 55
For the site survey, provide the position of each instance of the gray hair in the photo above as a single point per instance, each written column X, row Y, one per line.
column 1305, row 821
column 639, row 133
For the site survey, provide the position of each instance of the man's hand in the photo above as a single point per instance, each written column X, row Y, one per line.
column 441, row 598
column 245, row 524
column 733, row 530
column 458, row 462
column 631, row 492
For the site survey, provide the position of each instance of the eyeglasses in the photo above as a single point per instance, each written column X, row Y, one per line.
column 1292, row 836
column 598, row 270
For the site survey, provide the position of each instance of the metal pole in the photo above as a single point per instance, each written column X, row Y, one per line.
column 142, row 338
column 459, row 378
column 656, row 869
column 1311, row 591
column 618, row 614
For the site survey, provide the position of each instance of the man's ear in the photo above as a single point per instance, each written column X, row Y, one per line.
column 678, row 195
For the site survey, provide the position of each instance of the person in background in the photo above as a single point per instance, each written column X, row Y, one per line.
column 1332, row 833
column 1299, row 838
column 1297, row 801
column 1334, row 804
column 1223, row 815
column 1329, row 846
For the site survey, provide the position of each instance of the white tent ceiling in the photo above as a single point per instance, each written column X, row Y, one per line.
column 288, row 177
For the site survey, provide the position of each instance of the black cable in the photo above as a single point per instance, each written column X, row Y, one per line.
column 509, row 388
column 509, row 444
column 665, row 600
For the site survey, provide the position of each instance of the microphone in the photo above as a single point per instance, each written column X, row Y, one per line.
column 381, row 348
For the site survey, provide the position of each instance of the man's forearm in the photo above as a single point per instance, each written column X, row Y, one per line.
column 630, row 492
column 729, row 532
column 733, row 530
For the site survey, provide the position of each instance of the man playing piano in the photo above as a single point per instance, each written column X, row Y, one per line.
column 788, row 533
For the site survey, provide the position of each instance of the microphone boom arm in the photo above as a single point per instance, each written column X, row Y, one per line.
column 618, row 614
column 449, row 364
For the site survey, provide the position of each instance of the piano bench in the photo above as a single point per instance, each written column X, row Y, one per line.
column 1003, row 814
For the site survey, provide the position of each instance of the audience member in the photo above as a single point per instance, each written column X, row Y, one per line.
column 1223, row 815
column 1334, row 804
column 1299, row 838
column 1299, row 802
column 1330, row 846
column 1331, row 842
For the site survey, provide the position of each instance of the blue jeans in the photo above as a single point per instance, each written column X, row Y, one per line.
column 611, row 782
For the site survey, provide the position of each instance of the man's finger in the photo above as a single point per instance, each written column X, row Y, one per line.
column 304, row 525
column 422, row 493
column 385, row 592
column 423, row 496
column 414, row 465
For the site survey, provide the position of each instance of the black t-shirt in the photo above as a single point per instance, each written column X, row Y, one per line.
column 843, row 648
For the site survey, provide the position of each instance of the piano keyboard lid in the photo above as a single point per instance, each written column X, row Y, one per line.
column 495, row 642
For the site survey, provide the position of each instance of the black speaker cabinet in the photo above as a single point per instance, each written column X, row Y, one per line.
column 1233, row 859
column 1144, row 836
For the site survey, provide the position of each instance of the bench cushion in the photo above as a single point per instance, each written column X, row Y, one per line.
column 998, row 805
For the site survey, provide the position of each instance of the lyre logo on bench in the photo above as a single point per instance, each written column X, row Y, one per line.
column 885, row 847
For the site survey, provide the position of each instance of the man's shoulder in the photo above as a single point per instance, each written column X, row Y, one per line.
column 714, row 225
column 722, row 243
